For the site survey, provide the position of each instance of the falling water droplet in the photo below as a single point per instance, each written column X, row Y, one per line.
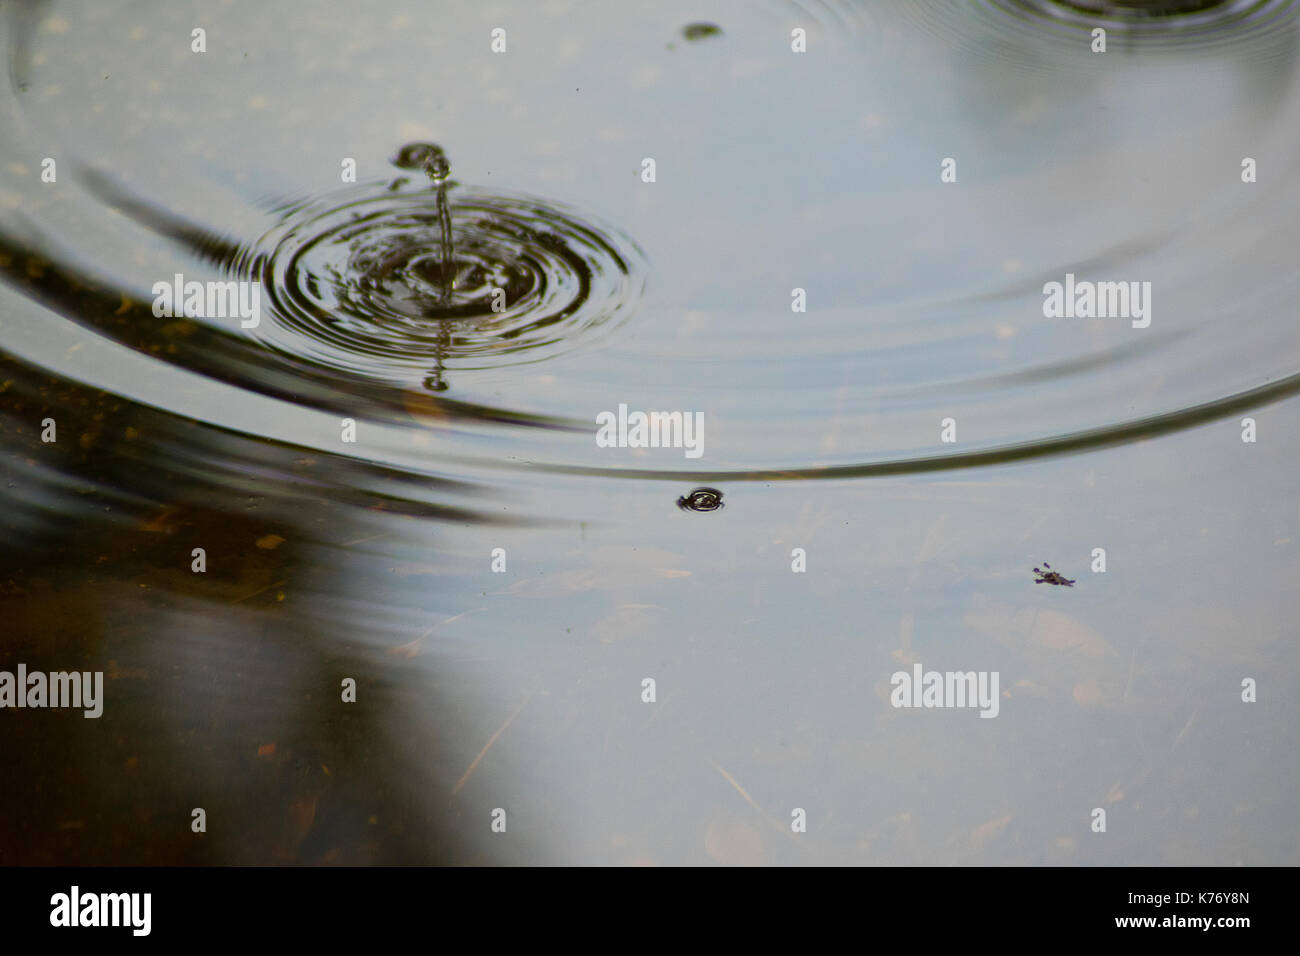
column 428, row 157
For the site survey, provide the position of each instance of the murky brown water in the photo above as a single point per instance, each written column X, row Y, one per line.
column 396, row 476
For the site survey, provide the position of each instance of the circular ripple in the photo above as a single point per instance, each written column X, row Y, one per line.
column 1038, row 35
column 356, row 281
column 1159, row 22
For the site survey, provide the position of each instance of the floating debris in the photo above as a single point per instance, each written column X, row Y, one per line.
column 1048, row 576
column 701, row 499
column 700, row 31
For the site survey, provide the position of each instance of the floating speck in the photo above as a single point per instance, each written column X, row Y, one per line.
column 701, row 31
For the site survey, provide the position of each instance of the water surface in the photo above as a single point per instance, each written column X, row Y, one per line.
column 522, row 689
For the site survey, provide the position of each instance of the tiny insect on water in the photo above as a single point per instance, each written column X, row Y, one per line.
column 1048, row 576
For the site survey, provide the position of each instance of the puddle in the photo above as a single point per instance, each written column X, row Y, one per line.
column 841, row 258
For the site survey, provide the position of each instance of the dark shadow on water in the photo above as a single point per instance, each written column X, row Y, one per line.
column 222, row 689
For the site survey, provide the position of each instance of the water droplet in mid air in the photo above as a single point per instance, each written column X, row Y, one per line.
column 427, row 157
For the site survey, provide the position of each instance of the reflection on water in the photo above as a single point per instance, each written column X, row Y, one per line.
column 842, row 259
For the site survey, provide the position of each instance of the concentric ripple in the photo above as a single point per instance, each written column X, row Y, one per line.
column 356, row 281
column 1159, row 22
column 1037, row 33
